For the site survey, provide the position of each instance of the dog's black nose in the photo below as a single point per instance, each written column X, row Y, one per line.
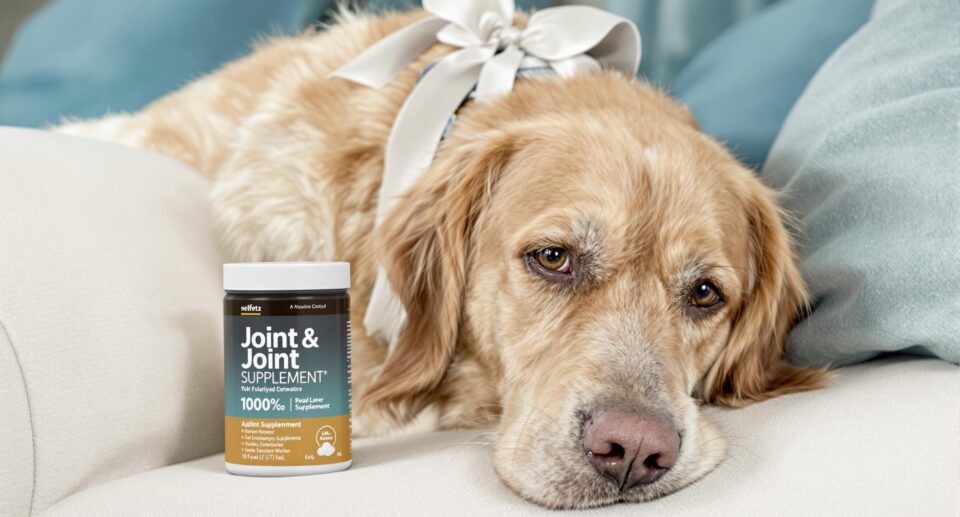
column 630, row 448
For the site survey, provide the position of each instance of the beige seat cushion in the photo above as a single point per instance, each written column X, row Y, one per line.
column 883, row 440
column 110, row 353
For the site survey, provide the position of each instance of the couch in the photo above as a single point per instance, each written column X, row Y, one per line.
column 111, row 382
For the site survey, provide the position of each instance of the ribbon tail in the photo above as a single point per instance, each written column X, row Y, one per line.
column 419, row 125
column 385, row 313
column 413, row 140
column 498, row 75
column 381, row 62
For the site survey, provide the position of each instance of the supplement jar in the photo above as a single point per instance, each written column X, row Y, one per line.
column 286, row 353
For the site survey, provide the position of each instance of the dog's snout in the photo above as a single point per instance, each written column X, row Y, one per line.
column 630, row 448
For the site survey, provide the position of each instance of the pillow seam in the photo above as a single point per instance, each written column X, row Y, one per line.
column 26, row 391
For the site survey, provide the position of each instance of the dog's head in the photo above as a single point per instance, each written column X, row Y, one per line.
column 610, row 267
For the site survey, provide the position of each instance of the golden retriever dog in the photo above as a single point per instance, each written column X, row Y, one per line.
column 581, row 266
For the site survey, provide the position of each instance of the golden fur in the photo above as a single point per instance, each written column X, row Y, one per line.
column 600, row 164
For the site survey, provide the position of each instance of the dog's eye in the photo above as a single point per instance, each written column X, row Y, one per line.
column 553, row 263
column 554, row 259
column 705, row 295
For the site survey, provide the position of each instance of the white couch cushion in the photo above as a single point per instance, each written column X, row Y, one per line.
column 110, row 353
column 884, row 439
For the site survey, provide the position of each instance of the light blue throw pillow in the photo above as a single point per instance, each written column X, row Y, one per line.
column 869, row 159
column 741, row 85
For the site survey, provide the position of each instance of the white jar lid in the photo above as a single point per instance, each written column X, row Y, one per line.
column 286, row 276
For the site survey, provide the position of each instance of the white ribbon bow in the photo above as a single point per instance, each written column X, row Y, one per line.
column 568, row 39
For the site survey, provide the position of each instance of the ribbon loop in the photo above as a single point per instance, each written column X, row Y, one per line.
column 571, row 39
column 470, row 14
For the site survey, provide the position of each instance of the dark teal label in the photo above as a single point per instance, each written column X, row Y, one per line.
column 294, row 366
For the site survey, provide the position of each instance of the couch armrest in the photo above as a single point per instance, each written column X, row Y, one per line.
column 110, row 293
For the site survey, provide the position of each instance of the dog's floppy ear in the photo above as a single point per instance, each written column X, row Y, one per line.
column 423, row 248
column 751, row 367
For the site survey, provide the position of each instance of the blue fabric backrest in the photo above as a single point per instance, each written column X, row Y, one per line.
column 674, row 31
column 84, row 58
column 741, row 85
